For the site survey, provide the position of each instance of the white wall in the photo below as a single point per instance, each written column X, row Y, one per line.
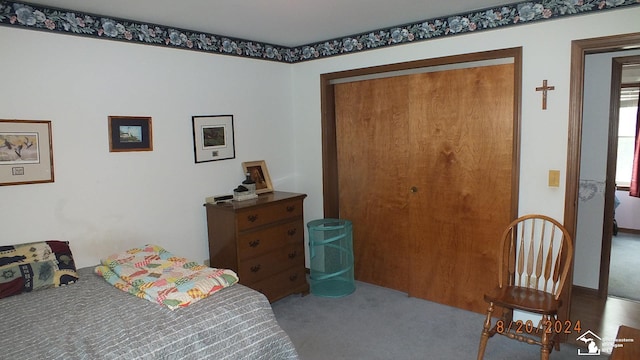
column 627, row 213
column 104, row 202
column 593, row 168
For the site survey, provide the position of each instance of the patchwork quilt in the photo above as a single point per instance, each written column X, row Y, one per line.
column 153, row 273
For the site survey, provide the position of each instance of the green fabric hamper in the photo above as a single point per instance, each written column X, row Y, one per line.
column 331, row 257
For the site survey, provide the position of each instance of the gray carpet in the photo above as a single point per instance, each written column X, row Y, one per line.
column 380, row 323
column 624, row 272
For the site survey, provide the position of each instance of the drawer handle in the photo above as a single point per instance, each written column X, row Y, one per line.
column 252, row 218
column 290, row 208
column 292, row 232
column 293, row 254
column 254, row 243
column 293, row 277
column 255, row 268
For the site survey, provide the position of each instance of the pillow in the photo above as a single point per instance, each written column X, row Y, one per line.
column 35, row 266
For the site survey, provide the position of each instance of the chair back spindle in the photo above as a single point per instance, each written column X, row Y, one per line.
column 511, row 257
column 537, row 247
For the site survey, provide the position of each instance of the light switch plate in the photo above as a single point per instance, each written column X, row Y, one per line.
column 554, row 178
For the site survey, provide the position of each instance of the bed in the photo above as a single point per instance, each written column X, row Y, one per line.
column 91, row 319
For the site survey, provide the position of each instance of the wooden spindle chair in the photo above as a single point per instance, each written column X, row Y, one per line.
column 535, row 260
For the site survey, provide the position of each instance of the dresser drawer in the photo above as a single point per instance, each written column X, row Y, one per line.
column 256, row 243
column 283, row 284
column 260, row 267
column 254, row 217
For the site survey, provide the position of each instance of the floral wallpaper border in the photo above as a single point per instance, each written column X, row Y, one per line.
column 70, row 22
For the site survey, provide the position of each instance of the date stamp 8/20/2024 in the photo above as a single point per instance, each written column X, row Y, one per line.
column 548, row 326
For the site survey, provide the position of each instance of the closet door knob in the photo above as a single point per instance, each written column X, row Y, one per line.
column 414, row 189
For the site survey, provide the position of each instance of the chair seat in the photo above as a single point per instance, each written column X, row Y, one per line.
column 522, row 298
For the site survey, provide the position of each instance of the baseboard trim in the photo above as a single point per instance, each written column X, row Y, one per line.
column 581, row 290
column 629, row 231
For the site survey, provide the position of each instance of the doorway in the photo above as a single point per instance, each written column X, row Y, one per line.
column 580, row 49
column 598, row 166
column 623, row 269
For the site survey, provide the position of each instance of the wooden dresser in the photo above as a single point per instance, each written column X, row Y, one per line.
column 262, row 240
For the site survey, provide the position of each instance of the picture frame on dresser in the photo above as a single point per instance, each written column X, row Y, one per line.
column 213, row 138
column 130, row 133
column 26, row 152
column 260, row 174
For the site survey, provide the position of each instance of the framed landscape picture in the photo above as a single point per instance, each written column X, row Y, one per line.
column 130, row 133
column 213, row 138
column 26, row 152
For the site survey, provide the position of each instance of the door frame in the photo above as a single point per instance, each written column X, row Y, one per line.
column 579, row 50
column 328, row 120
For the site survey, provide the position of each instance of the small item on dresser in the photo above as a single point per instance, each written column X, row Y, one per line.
column 218, row 199
column 246, row 191
column 241, row 193
column 249, row 183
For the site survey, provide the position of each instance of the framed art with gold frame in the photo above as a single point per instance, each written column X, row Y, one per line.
column 259, row 173
column 26, row 152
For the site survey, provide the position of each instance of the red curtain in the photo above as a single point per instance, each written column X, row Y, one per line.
column 635, row 174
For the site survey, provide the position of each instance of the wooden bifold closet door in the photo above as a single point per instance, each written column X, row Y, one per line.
column 425, row 175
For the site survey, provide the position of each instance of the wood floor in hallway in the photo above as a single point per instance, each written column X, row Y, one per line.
column 602, row 316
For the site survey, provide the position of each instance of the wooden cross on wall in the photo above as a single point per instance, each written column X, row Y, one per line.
column 544, row 88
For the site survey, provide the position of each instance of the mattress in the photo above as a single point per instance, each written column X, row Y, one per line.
column 93, row 320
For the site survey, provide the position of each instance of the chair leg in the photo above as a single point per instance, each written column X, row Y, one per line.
column 485, row 332
column 556, row 337
column 545, row 349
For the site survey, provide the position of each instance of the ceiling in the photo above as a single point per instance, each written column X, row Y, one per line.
column 279, row 22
